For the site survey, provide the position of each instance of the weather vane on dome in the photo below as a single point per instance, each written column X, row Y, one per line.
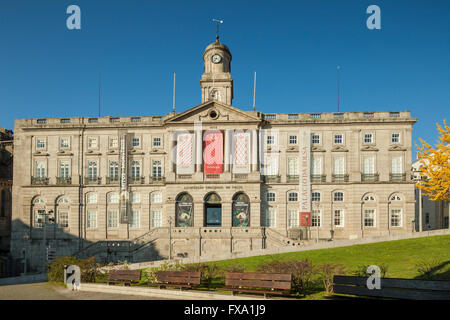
column 217, row 24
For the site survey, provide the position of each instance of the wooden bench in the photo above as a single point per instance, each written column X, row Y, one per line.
column 180, row 279
column 126, row 277
column 266, row 283
column 411, row 289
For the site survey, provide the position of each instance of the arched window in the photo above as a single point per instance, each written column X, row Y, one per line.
column 213, row 210
column 91, row 198
column 241, row 210
column 113, row 197
column 38, row 212
column 63, row 212
column 184, row 213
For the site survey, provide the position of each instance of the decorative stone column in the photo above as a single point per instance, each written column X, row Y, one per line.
column 172, row 157
column 198, row 151
column 228, row 141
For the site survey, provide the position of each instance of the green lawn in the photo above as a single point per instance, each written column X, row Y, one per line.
column 401, row 256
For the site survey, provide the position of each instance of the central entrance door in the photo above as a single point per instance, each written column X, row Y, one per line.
column 213, row 210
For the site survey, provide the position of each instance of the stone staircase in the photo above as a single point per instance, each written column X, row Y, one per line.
column 276, row 239
column 128, row 250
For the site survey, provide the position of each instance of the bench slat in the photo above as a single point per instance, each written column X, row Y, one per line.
column 258, row 276
column 392, row 293
column 258, row 284
column 396, row 283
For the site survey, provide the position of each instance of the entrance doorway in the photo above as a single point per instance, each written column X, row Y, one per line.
column 213, row 210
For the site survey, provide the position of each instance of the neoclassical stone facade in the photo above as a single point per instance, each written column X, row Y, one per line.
column 209, row 180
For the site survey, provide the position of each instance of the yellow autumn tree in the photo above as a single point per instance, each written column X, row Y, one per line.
column 436, row 166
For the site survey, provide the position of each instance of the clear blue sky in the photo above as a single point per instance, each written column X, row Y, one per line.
column 47, row 70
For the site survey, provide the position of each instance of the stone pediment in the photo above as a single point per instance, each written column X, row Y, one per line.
column 213, row 112
column 317, row 149
column 369, row 148
column 339, row 149
column 397, row 148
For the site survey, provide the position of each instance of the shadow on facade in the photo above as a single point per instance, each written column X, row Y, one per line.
column 28, row 252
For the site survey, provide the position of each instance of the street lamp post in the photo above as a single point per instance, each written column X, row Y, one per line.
column 170, row 238
column 46, row 214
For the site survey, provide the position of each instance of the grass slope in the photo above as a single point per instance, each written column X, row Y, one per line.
column 401, row 256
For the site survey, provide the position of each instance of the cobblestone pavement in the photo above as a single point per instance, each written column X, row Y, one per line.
column 50, row 291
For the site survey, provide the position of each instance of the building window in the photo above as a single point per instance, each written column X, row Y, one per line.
column 293, row 196
column 339, row 165
column 369, row 217
column 427, row 218
column 395, row 138
column 315, row 138
column 368, row 114
column 113, row 143
column 40, row 169
column 293, row 218
column 292, row 139
column 368, row 138
column 91, row 219
column 156, row 168
column 270, row 217
column 135, row 168
column 240, row 210
column 113, row 219
column 315, row 196
column 113, row 198
column 293, row 166
column 270, row 140
column 394, row 114
column 92, row 142
column 315, row 115
column 396, row 217
column 93, row 120
column 39, row 218
column 369, row 165
column 270, row 196
column 338, row 138
column 270, row 165
column 92, row 169
column 157, row 142
column 292, row 116
column 156, row 197
column 136, row 119
column 396, row 165
column 63, row 219
column 338, row 115
column 91, row 198
column 184, row 212
column 136, row 142
column 40, row 143
column 64, row 143
column 338, row 218
column 316, row 167
column 114, row 169
column 156, row 218
column 396, row 198
column 338, row 196
column 64, row 169
column 41, row 121
column 316, row 218
column 135, row 197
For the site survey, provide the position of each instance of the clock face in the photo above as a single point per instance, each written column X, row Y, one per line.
column 216, row 58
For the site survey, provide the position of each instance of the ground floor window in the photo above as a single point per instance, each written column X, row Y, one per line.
column 91, row 219
column 113, row 219
column 184, row 211
column 63, row 219
column 369, row 217
column 39, row 217
column 134, row 219
column 241, row 210
column 270, row 217
column 338, row 218
column 156, row 218
column 315, row 219
column 396, row 217
column 293, row 218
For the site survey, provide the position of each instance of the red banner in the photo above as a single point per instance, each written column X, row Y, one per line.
column 213, row 155
column 305, row 219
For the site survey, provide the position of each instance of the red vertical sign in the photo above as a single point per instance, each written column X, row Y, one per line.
column 305, row 219
column 213, row 156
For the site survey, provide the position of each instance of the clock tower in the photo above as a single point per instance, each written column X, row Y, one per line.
column 216, row 82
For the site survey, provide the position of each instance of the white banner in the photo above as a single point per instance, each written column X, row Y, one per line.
column 241, row 152
column 305, row 171
column 185, row 153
